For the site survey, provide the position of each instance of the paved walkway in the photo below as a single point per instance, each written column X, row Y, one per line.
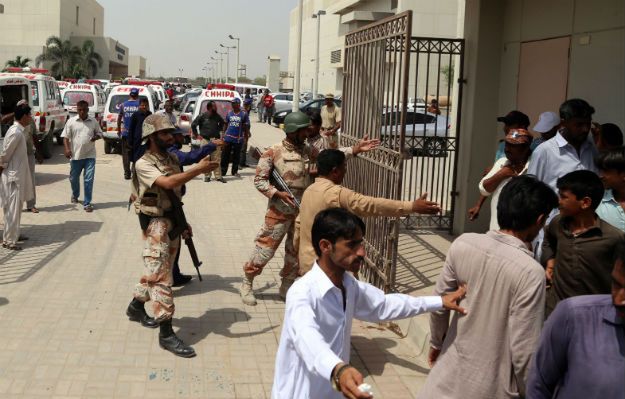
column 64, row 333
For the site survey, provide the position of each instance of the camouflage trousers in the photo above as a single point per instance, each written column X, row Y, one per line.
column 159, row 254
column 276, row 226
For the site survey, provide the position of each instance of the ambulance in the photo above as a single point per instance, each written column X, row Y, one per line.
column 47, row 106
column 222, row 99
column 117, row 96
column 12, row 90
column 62, row 85
column 92, row 94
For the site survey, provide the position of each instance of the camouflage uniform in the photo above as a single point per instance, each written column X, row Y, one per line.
column 293, row 164
column 159, row 250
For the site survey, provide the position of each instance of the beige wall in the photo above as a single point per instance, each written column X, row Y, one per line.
column 88, row 10
column 25, row 25
column 137, row 66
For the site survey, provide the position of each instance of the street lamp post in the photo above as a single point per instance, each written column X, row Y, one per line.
column 298, row 58
column 227, row 60
column 180, row 71
column 236, row 78
column 316, row 82
column 221, row 65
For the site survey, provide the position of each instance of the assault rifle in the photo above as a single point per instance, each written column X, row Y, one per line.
column 180, row 225
column 278, row 180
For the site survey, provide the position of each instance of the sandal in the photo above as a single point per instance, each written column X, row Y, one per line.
column 33, row 210
column 12, row 247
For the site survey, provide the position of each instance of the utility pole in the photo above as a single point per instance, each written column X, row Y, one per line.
column 298, row 59
column 315, row 87
column 236, row 78
column 227, row 61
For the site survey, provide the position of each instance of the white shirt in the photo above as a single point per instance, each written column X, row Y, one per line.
column 16, row 170
column 316, row 333
column 501, row 162
column 556, row 157
column 172, row 117
column 79, row 133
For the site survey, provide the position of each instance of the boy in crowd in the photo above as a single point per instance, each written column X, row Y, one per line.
column 579, row 248
column 611, row 165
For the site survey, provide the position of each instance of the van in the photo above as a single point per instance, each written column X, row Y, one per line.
column 92, row 94
column 12, row 90
column 222, row 99
column 160, row 94
column 47, row 106
column 118, row 95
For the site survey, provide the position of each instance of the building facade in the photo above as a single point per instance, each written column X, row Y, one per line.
column 137, row 66
column 430, row 18
column 26, row 25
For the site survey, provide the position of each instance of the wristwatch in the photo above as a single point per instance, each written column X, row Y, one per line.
column 336, row 377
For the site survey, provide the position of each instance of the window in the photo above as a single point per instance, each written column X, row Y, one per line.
column 35, row 92
column 117, row 101
column 71, row 98
column 77, row 14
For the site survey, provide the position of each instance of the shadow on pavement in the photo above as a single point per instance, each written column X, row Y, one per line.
column 3, row 301
column 418, row 262
column 45, row 242
column 371, row 351
column 96, row 206
column 217, row 321
column 211, row 282
column 44, row 179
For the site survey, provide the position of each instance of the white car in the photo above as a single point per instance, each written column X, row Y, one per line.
column 282, row 101
column 432, row 129
column 92, row 94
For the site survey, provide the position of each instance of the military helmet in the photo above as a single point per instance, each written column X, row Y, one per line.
column 156, row 123
column 295, row 121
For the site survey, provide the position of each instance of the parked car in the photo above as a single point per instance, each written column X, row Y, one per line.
column 433, row 129
column 307, row 108
column 182, row 98
column 184, row 119
column 282, row 101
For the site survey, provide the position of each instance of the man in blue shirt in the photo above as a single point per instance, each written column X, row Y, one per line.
column 580, row 354
column 237, row 131
column 126, row 110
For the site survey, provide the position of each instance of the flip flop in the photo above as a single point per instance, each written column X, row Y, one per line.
column 34, row 210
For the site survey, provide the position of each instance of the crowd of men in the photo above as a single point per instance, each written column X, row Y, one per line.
column 555, row 250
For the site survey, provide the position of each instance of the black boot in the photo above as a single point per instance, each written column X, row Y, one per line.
column 169, row 341
column 136, row 312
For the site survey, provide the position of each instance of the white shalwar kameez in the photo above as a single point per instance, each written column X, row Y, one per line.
column 15, row 182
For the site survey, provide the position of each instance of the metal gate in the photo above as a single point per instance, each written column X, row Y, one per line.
column 385, row 76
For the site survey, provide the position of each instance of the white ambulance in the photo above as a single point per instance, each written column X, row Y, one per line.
column 47, row 106
column 117, row 96
column 222, row 99
column 92, row 94
column 12, row 90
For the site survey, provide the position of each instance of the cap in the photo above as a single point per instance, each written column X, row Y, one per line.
column 515, row 118
column 134, row 91
column 236, row 100
column 156, row 123
column 329, row 95
column 546, row 121
column 518, row 136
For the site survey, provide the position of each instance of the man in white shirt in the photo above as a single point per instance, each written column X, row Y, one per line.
column 79, row 137
column 313, row 355
column 168, row 111
column 16, row 186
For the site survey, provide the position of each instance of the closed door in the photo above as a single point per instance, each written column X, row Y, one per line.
column 543, row 76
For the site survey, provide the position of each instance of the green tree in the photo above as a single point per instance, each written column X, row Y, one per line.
column 261, row 80
column 62, row 54
column 448, row 72
column 244, row 79
column 90, row 61
column 18, row 62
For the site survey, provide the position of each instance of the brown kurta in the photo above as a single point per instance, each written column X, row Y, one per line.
column 486, row 353
column 324, row 194
column 584, row 262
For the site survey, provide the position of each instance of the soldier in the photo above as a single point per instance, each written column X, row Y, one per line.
column 157, row 174
column 291, row 159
